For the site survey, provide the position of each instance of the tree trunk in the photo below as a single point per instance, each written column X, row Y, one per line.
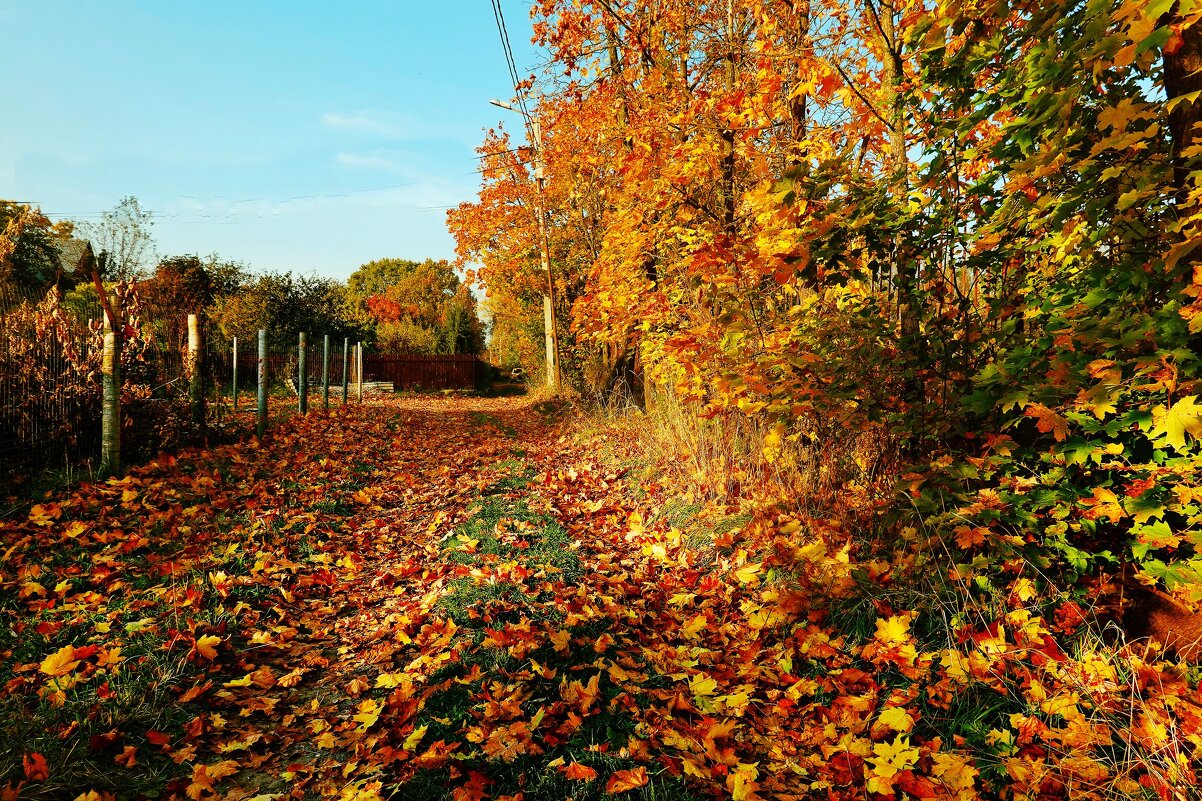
column 1182, row 76
column 798, row 105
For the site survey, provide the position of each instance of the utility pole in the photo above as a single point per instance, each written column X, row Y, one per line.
column 544, row 242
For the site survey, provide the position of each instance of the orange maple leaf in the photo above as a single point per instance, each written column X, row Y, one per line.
column 506, row 742
column 205, row 776
column 625, row 780
column 578, row 772
column 582, row 696
column 1048, row 421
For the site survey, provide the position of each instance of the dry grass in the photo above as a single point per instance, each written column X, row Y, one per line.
column 829, row 470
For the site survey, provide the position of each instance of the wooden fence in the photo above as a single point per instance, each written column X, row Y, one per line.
column 55, row 391
column 425, row 372
column 405, row 371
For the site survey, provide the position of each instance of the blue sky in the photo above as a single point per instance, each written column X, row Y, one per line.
column 298, row 136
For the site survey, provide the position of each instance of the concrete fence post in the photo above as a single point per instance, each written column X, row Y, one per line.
column 196, row 371
column 110, row 376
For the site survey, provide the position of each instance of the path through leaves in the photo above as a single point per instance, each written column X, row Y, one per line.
column 453, row 598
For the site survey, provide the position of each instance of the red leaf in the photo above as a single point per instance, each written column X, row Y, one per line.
column 157, row 737
column 36, row 769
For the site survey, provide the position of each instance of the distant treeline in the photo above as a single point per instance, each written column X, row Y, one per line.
column 392, row 305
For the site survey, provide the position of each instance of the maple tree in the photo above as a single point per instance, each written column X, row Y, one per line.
column 953, row 247
column 882, row 216
column 416, row 307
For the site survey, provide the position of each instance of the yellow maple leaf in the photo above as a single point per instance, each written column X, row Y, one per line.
column 75, row 528
column 1105, row 504
column 742, row 783
column 415, row 737
column 774, row 443
column 206, row 646
column 896, row 718
column 1172, row 424
column 369, row 713
column 693, row 628
column 1116, row 118
column 389, row 680
column 895, row 630
column 61, row 662
column 702, row 686
column 891, row 757
column 954, row 771
column 44, row 514
column 749, row 574
column 1099, row 401
column 31, row 588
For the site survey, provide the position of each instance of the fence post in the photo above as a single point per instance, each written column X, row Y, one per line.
column 302, row 382
column 549, row 336
column 261, row 414
column 346, row 347
column 359, row 368
column 325, row 373
column 234, row 382
column 196, row 375
column 110, row 420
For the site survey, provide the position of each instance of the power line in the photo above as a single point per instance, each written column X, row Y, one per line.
column 503, row 32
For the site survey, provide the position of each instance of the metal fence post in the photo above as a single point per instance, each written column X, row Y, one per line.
column 359, row 368
column 261, row 414
column 302, row 382
column 346, row 348
column 234, row 381
column 325, row 373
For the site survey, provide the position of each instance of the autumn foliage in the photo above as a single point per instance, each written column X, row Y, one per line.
column 922, row 277
column 905, row 298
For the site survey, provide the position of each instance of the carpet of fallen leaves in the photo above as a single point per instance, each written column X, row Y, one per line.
column 458, row 598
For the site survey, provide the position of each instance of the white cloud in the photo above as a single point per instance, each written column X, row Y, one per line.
column 375, row 162
column 392, row 125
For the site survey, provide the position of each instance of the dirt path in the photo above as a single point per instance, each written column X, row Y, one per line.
column 229, row 612
column 417, row 598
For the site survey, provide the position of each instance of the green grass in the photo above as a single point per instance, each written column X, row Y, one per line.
column 505, row 528
column 544, row 545
column 482, row 420
column 537, row 783
column 331, row 506
column 138, row 696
